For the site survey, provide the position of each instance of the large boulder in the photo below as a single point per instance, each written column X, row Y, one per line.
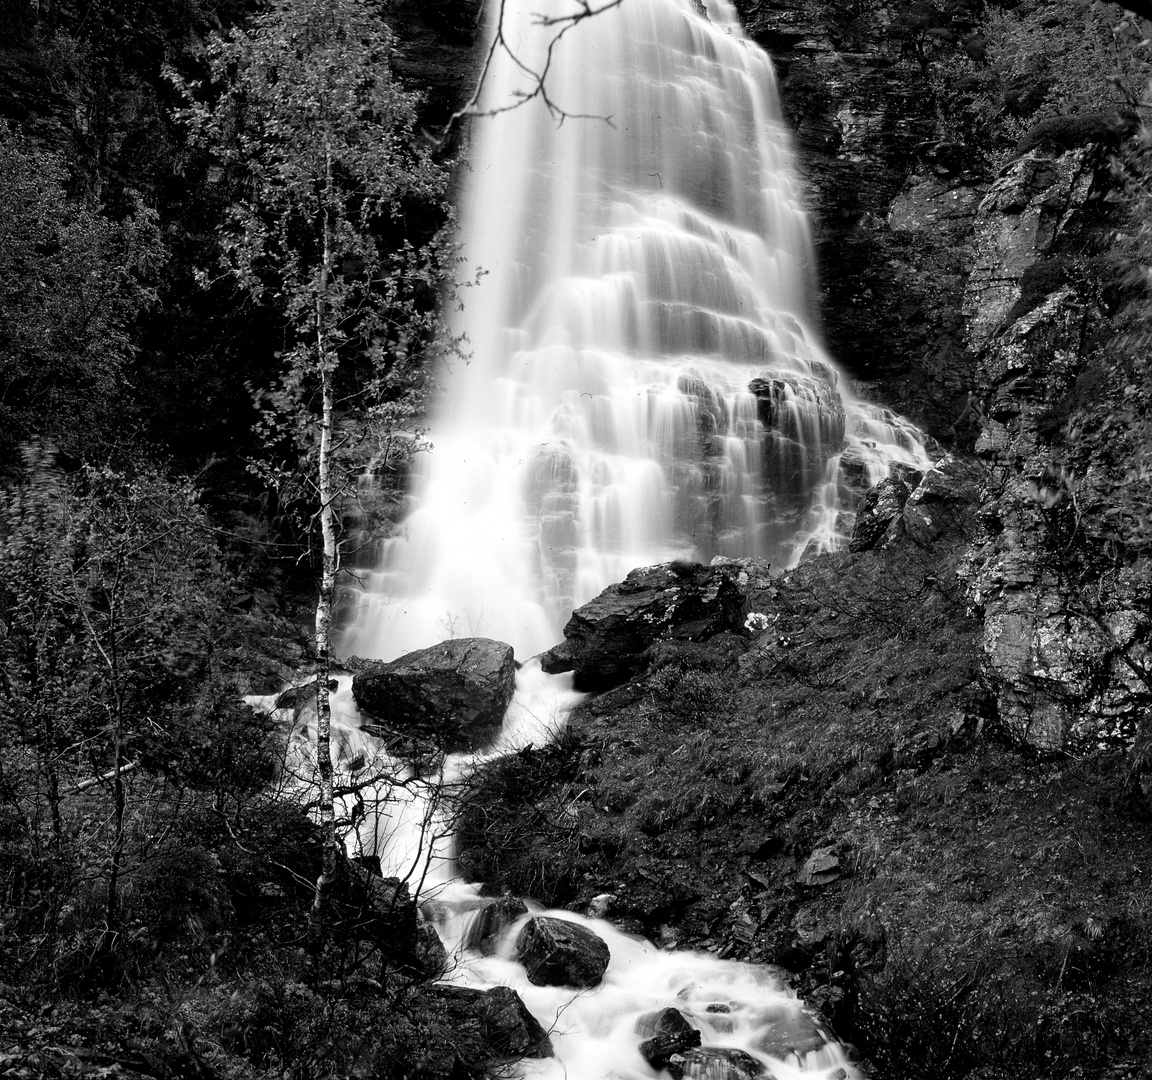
column 556, row 952
column 607, row 640
column 450, row 697
column 363, row 905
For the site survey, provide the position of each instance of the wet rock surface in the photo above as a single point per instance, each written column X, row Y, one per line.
column 892, row 202
column 447, row 698
column 716, row 1063
column 556, row 952
column 488, row 924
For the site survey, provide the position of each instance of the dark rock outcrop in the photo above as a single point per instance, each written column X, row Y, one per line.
column 667, row 1033
column 942, row 502
column 431, row 956
column 892, row 201
column 556, row 952
column 447, row 698
column 364, row 905
column 492, row 1027
column 607, row 639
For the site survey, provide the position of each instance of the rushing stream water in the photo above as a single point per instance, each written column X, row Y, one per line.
column 646, row 383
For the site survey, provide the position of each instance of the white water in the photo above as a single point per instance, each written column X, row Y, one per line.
column 594, row 1033
column 646, row 383
column 640, row 273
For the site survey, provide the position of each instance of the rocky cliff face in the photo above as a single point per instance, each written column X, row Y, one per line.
column 892, row 212
column 978, row 300
column 1064, row 604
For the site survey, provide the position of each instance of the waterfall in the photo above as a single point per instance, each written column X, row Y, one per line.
column 645, row 380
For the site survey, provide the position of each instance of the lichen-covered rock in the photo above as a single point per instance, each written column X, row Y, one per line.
column 1063, row 649
column 556, row 952
column 450, row 697
column 606, row 640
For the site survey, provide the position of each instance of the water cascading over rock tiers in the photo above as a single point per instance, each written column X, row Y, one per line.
column 645, row 381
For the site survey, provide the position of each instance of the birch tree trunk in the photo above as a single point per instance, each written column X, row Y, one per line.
column 327, row 575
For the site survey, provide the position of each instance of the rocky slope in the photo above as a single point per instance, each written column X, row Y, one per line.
column 976, row 230
column 832, row 788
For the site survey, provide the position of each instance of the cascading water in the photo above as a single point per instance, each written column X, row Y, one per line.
column 646, row 383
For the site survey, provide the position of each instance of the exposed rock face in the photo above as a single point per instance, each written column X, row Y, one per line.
column 1018, row 222
column 435, row 50
column 556, row 952
column 450, row 697
column 606, row 640
column 1064, row 642
column 942, row 501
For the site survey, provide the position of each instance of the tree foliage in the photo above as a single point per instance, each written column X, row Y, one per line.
column 317, row 143
column 118, row 647
column 72, row 283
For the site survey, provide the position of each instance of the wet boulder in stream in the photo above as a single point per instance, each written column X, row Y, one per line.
column 556, row 952
column 668, row 1034
column 448, row 698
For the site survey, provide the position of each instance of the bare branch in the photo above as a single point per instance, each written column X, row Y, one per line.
column 499, row 44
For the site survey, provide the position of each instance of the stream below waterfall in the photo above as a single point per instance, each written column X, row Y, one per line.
column 751, row 1024
column 645, row 383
